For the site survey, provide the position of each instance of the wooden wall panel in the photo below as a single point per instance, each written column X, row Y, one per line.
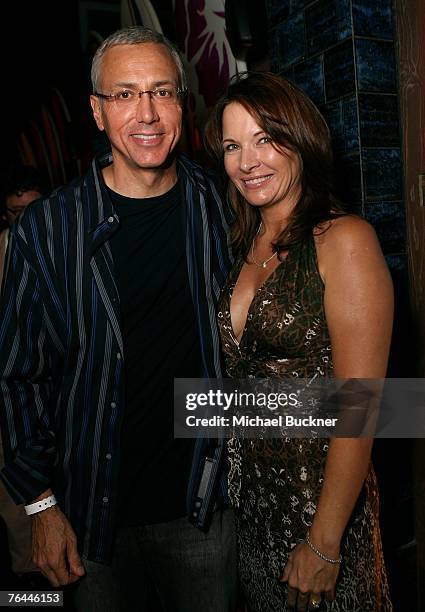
column 410, row 23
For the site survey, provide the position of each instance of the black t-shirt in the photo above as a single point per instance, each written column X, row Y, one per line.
column 161, row 342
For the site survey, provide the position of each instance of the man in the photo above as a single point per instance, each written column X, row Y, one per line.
column 20, row 185
column 111, row 294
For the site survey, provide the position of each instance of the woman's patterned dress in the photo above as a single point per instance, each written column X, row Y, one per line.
column 275, row 484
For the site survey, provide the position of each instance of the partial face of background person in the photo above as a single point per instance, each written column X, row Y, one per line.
column 263, row 173
column 143, row 131
column 20, row 185
column 15, row 203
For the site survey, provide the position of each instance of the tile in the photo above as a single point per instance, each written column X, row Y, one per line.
column 327, row 22
column 291, row 40
column 332, row 113
column 309, row 76
column 339, row 71
column 341, row 117
column 379, row 120
column 375, row 65
column 348, row 177
column 345, row 25
column 277, row 11
column 351, row 123
column 373, row 18
column 382, row 174
column 389, row 221
column 288, row 74
column 397, row 264
column 296, row 5
column 274, row 51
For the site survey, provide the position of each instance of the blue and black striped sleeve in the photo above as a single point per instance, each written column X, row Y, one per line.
column 25, row 381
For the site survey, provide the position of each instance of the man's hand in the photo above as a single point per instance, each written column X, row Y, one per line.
column 54, row 547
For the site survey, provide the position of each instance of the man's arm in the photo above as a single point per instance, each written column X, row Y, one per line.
column 25, row 381
column 26, row 355
column 54, row 545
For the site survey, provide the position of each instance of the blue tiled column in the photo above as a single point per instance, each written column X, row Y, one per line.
column 341, row 52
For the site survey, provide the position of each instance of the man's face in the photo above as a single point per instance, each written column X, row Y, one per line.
column 16, row 203
column 144, row 132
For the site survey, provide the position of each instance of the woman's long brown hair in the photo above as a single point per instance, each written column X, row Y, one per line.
column 289, row 117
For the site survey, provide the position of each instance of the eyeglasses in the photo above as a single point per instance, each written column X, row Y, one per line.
column 15, row 211
column 128, row 97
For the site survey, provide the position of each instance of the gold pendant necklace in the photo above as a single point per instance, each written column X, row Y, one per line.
column 260, row 264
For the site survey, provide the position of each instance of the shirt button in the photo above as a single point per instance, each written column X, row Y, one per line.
column 113, row 405
column 108, row 455
column 105, row 500
column 111, row 219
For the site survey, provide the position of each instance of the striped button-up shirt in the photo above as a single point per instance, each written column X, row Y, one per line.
column 61, row 349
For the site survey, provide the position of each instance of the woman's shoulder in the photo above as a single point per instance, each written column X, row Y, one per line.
column 347, row 243
column 345, row 233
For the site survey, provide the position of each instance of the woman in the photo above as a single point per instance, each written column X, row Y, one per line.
column 310, row 294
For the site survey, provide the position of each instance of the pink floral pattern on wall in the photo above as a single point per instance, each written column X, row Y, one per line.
column 201, row 36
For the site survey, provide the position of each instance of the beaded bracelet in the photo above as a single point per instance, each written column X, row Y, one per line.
column 320, row 554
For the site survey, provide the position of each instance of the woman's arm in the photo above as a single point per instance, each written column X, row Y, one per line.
column 359, row 314
column 358, row 304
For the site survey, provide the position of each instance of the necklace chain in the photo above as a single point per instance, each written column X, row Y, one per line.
column 260, row 264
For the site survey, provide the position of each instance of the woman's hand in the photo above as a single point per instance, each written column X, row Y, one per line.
column 309, row 578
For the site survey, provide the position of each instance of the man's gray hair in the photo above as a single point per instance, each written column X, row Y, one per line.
column 136, row 35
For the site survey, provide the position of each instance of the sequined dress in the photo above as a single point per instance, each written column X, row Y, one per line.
column 275, row 484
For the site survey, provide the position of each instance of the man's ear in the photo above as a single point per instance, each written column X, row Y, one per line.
column 97, row 112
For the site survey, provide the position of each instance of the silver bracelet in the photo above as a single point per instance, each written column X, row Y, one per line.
column 320, row 554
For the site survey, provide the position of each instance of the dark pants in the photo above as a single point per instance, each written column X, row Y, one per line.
column 185, row 569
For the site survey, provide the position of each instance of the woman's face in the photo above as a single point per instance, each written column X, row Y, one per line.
column 264, row 174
